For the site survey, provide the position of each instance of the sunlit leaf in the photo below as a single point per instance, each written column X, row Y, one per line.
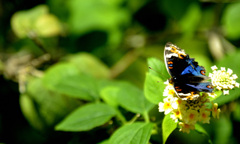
column 223, row 130
column 191, row 19
column 157, row 68
column 109, row 95
column 153, row 88
column 36, row 20
column 136, row 133
column 168, row 126
column 65, row 78
column 132, row 99
column 89, row 64
column 231, row 20
column 104, row 15
column 43, row 108
column 48, row 25
column 87, row 117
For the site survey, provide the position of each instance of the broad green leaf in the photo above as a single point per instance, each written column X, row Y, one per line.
column 223, row 130
column 43, row 108
column 231, row 20
column 174, row 8
column 191, row 19
column 158, row 68
column 135, row 133
column 89, row 64
column 236, row 112
column 201, row 130
column 37, row 20
column 48, row 25
column 65, row 78
column 109, row 95
column 87, row 117
column 104, row 15
column 153, row 88
column 132, row 99
column 168, row 126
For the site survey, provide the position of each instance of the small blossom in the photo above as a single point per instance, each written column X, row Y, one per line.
column 215, row 110
column 186, row 127
column 176, row 115
column 165, row 107
column 234, row 76
column 237, row 85
column 214, row 67
column 229, row 71
column 212, row 95
column 223, row 69
column 204, row 115
column 225, row 92
column 190, row 116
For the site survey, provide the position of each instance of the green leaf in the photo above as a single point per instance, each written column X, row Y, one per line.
column 132, row 99
column 87, row 117
column 36, row 20
column 158, row 68
column 153, row 88
column 109, row 95
column 179, row 7
column 43, row 108
column 136, row 133
column 231, row 20
column 89, row 64
column 105, row 15
column 201, row 130
column 191, row 19
column 168, row 126
column 65, row 78
column 223, row 130
column 236, row 112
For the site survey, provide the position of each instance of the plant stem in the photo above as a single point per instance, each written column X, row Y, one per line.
column 146, row 117
column 134, row 118
column 121, row 117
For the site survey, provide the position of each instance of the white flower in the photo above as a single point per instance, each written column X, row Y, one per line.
column 223, row 80
column 214, row 67
column 225, row 92
column 229, row 71
column 223, row 69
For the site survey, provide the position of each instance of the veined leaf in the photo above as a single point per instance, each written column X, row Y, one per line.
column 153, row 88
column 132, row 99
column 87, row 117
column 168, row 126
column 66, row 79
column 136, row 133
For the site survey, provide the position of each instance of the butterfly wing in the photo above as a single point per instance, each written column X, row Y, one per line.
column 187, row 75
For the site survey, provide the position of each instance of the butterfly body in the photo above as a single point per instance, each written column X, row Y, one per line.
column 187, row 77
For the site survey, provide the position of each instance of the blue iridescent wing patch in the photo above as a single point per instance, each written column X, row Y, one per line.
column 187, row 76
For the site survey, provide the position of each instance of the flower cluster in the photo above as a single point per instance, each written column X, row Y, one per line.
column 197, row 107
column 223, row 80
column 187, row 112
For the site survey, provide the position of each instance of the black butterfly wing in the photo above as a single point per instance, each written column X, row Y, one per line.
column 187, row 75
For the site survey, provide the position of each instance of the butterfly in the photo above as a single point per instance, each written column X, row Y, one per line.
column 187, row 77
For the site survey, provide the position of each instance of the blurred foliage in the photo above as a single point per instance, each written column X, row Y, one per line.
column 76, row 71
